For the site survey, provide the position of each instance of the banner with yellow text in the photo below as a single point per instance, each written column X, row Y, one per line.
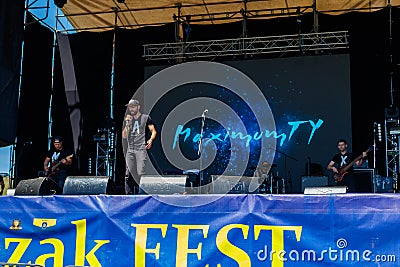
column 201, row 230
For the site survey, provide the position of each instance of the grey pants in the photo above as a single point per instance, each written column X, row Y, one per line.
column 135, row 168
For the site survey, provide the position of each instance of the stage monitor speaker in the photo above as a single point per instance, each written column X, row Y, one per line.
column 363, row 180
column 162, row 184
column 225, row 184
column 313, row 181
column 325, row 190
column 37, row 186
column 87, row 185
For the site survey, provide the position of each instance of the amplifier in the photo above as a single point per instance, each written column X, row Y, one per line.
column 363, row 180
column 313, row 181
column 326, row 190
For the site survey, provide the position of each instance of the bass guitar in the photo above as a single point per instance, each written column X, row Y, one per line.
column 343, row 170
column 53, row 167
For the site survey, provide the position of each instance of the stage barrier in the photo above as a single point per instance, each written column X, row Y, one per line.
column 201, row 230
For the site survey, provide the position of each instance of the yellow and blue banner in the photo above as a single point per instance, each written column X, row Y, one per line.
column 231, row 230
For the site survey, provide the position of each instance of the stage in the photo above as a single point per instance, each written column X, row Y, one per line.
column 201, row 230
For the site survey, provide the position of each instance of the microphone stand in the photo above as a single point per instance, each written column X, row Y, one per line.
column 200, row 150
column 285, row 166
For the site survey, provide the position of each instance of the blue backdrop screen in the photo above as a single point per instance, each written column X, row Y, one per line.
column 310, row 101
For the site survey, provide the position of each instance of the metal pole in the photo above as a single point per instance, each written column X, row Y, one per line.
column 315, row 12
column 111, row 153
column 50, row 126
column 13, row 161
column 179, row 33
column 244, row 28
column 390, row 55
column 386, row 148
column 200, row 151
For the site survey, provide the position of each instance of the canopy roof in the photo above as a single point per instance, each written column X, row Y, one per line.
column 100, row 15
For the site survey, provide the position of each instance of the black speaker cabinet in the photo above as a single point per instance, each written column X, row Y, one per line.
column 163, row 184
column 87, row 185
column 37, row 186
column 226, row 184
column 313, row 181
column 364, row 180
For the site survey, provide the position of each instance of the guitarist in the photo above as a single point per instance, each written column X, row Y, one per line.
column 57, row 163
column 340, row 160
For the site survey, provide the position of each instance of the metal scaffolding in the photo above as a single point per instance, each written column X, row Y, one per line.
column 248, row 46
column 392, row 138
column 392, row 126
column 105, row 153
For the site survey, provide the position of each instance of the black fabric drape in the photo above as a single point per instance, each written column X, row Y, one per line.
column 11, row 36
column 33, row 110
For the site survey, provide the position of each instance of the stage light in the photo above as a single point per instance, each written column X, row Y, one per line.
column 379, row 133
column 60, row 3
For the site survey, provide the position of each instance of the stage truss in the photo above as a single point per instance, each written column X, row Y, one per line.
column 392, row 140
column 248, row 46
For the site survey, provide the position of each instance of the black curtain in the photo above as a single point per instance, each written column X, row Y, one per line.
column 33, row 112
column 11, row 36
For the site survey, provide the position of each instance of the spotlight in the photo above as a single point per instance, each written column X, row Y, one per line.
column 60, row 3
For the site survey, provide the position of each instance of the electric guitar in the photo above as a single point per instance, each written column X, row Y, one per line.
column 343, row 170
column 53, row 167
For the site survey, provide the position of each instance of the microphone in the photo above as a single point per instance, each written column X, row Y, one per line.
column 204, row 113
column 128, row 122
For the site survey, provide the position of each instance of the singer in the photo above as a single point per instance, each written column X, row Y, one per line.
column 138, row 134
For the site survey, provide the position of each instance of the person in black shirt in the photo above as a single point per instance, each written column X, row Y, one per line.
column 342, row 161
column 57, row 163
column 139, row 134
